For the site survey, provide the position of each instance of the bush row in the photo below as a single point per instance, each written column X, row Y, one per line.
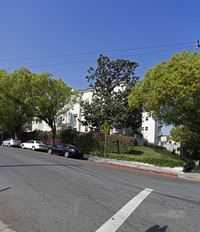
column 95, row 141
column 157, row 161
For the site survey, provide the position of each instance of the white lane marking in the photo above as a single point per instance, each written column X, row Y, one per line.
column 116, row 220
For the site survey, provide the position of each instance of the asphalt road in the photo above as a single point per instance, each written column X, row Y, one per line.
column 41, row 192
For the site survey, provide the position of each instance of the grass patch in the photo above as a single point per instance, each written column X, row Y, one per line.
column 158, row 157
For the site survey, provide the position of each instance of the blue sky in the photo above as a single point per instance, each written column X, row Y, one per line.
column 65, row 37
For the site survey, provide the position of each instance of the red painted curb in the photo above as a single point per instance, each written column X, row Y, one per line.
column 141, row 169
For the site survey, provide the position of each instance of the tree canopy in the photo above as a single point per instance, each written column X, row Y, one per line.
column 171, row 91
column 111, row 84
column 14, row 113
column 25, row 95
column 49, row 99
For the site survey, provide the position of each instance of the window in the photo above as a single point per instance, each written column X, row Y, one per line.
column 69, row 118
column 147, row 118
column 142, row 128
column 86, row 129
column 146, row 128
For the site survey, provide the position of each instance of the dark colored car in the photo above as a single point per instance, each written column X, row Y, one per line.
column 66, row 150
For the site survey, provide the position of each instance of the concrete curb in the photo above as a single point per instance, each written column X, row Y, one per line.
column 142, row 169
column 173, row 172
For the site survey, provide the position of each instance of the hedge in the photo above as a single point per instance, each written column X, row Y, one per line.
column 157, row 161
column 95, row 141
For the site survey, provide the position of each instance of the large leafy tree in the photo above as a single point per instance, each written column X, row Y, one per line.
column 111, row 84
column 25, row 95
column 14, row 114
column 171, row 91
column 49, row 99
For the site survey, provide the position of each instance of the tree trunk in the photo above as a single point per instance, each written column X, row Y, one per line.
column 53, row 134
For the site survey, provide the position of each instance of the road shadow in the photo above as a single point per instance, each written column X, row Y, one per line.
column 157, row 228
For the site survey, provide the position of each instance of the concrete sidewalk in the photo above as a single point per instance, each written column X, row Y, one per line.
column 5, row 228
column 176, row 172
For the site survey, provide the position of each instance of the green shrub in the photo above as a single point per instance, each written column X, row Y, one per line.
column 157, row 161
column 95, row 141
column 35, row 135
column 120, row 144
column 68, row 136
column 87, row 142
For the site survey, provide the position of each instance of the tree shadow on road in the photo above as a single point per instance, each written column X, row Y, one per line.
column 157, row 228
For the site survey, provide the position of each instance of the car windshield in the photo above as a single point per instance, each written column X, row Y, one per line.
column 71, row 146
column 39, row 142
column 62, row 145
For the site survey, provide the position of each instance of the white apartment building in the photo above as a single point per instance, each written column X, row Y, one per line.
column 150, row 129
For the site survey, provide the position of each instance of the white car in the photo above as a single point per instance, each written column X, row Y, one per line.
column 11, row 142
column 34, row 145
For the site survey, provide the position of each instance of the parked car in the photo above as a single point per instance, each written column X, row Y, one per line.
column 11, row 142
column 34, row 145
column 66, row 150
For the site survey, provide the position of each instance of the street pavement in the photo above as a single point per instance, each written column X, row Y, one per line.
column 180, row 172
column 42, row 192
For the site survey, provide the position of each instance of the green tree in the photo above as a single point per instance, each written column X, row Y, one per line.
column 49, row 99
column 13, row 111
column 171, row 91
column 188, row 139
column 25, row 95
column 111, row 83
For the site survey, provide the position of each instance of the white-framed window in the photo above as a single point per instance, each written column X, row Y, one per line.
column 146, row 128
column 69, row 118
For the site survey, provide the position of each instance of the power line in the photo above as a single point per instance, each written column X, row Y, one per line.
column 92, row 60
column 92, row 53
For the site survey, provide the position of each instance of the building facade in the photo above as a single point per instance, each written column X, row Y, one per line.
column 169, row 144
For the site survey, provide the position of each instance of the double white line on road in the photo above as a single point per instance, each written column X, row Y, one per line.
column 116, row 220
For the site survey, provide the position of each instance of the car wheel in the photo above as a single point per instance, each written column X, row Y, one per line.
column 50, row 151
column 2, row 145
column 66, row 154
column 33, row 148
column 9, row 145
